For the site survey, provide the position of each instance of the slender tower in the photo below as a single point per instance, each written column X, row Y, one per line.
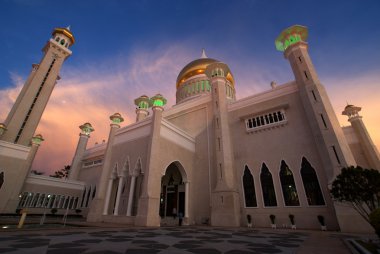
column 26, row 113
column 331, row 143
column 76, row 164
column 149, row 201
column 369, row 149
column 225, row 210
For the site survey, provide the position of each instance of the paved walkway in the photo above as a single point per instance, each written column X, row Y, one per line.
column 170, row 240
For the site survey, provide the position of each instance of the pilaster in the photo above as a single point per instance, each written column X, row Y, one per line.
column 97, row 205
column 76, row 164
column 225, row 207
column 149, row 202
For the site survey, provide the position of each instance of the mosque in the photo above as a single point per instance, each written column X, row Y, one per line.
column 211, row 158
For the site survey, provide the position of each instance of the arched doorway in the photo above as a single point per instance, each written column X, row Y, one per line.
column 173, row 189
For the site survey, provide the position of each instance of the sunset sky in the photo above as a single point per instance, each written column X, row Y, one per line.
column 125, row 49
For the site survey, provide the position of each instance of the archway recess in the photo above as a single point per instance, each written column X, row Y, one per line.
column 174, row 191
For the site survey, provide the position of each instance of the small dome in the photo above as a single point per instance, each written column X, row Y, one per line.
column 349, row 106
column 195, row 67
column 66, row 31
column 193, row 80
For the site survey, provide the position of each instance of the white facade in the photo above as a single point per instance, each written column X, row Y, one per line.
column 215, row 159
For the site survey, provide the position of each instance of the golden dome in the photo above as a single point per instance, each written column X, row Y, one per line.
column 197, row 67
column 65, row 31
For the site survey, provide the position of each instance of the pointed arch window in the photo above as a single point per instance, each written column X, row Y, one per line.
column 288, row 185
column 88, row 197
column 267, row 186
column 83, row 197
column 311, row 184
column 93, row 192
column 249, row 188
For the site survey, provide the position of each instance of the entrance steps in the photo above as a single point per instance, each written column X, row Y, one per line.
column 169, row 221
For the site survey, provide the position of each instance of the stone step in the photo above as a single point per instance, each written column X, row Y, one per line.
column 169, row 221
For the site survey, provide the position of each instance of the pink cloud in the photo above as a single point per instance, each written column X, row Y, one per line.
column 93, row 94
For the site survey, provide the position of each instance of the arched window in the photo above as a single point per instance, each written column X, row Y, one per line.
column 267, row 186
column 289, row 189
column 83, row 197
column 30, row 199
column 93, row 193
column 62, row 201
column 41, row 200
column 88, row 197
column 22, row 199
column 249, row 189
column 75, row 205
column 35, row 200
column 62, row 42
column 311, row 184
column 51, row 203
column 56, row 201
column 57, row 39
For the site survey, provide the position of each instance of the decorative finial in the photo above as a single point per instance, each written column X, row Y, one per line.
column 37, row 140
column 68, row 27
column 157, row 101
column 116, row 118
column 86, row 129
column 203, row 54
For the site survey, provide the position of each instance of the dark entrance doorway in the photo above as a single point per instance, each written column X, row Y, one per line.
column 172, row 198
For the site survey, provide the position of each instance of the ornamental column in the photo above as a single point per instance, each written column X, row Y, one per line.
column 149, row 202
column 108, row 195
column 131, row 194
column 97, row 205
column 142, row 104
column 187, row 197
column 118, row 194
column 76, row 164
column 369, row 149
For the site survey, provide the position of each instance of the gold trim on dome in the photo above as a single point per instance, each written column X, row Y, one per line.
column 198, row 67
column 190, row 74
column 231, row 79
column 66, row 32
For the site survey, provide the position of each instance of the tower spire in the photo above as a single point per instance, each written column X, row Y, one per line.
column 23, row 119
column 203, row 54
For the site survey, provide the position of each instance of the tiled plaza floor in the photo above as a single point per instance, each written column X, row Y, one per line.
column 153, row 240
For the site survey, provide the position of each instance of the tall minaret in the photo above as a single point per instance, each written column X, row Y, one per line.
column 225, row 205
column 369, row 148
column 26, row 113
column 331, row 143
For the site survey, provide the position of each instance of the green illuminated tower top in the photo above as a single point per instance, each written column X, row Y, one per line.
column 291, row 35
column 157, row 101
column 142, row 102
